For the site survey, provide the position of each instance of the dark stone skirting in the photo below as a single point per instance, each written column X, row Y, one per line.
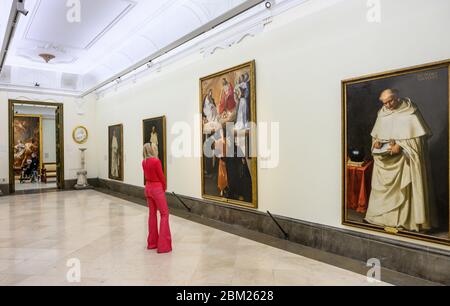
column 4, row 189
column 427, row 263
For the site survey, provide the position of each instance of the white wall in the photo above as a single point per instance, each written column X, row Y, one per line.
column 300, row 62
column 49, row 140
column 71, row 120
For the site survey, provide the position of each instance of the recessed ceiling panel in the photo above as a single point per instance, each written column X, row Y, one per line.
column 50, row 23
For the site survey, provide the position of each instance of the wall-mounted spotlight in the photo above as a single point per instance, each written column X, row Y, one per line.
column 37, row 84
column 21, row 7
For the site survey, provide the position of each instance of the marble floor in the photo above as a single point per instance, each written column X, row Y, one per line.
column 41, row 233
column 34, row 186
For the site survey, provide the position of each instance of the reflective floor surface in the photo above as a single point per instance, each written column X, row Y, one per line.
column 43, row 235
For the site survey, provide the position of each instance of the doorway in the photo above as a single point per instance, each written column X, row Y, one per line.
column 36, row 146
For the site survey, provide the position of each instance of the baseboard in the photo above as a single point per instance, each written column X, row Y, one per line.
column 70, row 184
column 4, row 190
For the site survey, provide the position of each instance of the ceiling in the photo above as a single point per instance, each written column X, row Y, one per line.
column 97, row 40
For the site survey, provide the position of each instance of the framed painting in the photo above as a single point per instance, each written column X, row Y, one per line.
column 154, row 133
column 115, row 152
column 27, row 133
column 396, row 152
column 228, row 109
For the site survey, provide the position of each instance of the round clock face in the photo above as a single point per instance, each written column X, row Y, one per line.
column 80, row 134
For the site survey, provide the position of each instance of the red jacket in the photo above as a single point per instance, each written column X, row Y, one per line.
column 153, row 172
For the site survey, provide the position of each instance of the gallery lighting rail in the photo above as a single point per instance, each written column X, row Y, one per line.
column 14, row 16
column 247, row 5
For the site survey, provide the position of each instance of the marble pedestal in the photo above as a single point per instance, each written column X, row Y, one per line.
column 82, row 182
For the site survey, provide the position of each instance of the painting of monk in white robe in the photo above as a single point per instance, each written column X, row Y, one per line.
column 401, row 188
column 396, row 146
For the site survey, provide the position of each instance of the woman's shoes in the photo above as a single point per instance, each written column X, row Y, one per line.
column 159, row 252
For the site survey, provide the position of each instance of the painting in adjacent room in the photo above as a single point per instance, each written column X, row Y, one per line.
column 115, row 149
column 396, row 152
column 228, row 108
column 154, row 133
column 27, row 140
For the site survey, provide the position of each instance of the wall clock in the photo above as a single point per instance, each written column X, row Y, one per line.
column 80, row 134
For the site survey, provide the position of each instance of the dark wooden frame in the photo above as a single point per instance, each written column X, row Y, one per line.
column 121, row 178
column 163, row 118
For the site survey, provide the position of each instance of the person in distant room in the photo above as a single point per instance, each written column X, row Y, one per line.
column 30, row 169
column 115, row 155
column 34, row 168
column 401, row 190
column 154, row 141
column 155, row 188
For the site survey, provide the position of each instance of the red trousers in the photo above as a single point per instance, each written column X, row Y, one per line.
column 156, row 199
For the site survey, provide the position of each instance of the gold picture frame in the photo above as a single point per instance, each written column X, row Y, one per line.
column 206, row 85
column 120, row 169
column 160, row 124
column 353, row 91
column 74, row 131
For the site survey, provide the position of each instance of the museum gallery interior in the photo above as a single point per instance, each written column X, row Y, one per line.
column 224, row 143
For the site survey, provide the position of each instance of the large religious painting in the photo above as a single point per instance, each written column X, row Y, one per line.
column 154, row 132
column 228, row 108
column 396, row 152
column 115, row 152
column 27, row 140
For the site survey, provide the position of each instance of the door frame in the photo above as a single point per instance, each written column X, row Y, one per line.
column 59, row 122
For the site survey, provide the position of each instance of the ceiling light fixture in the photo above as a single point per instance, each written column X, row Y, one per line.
column 47, row 57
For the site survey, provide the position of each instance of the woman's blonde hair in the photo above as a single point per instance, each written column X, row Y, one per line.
column 148, row 151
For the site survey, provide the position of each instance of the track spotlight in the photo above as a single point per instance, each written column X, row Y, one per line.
column 269, row 4
column 21, row 7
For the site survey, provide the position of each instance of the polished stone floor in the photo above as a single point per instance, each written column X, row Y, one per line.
column 35, row 186
column 39, row 233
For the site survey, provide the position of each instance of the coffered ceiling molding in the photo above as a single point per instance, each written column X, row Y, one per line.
column 96, row 18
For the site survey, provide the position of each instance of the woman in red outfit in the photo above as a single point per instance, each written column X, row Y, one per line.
column 155, row 188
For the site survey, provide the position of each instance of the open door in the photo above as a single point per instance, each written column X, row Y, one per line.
column 59, row 128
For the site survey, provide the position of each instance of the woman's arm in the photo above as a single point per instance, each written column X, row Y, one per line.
column 161, row 176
